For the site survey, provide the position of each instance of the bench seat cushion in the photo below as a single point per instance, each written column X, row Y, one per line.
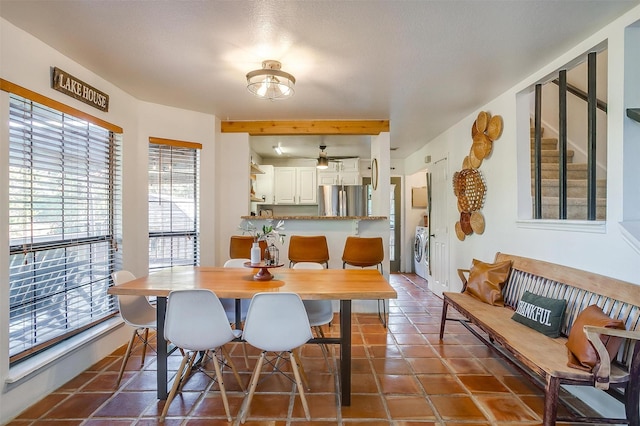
column 542, row 354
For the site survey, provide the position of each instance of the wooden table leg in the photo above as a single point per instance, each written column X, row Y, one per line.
column 345, row 351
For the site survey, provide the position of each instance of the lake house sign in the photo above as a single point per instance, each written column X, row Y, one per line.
column 71, row 86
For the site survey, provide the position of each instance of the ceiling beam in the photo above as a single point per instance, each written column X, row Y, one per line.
column 306, row 127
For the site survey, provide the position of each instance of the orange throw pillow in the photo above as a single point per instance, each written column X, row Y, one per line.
column 486, row 281
column 582, row 354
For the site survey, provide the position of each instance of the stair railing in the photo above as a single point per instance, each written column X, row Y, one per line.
column 592, row 104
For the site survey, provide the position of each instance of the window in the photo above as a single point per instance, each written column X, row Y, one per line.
column 64, row 219
column 174, row 169
column 569, row 120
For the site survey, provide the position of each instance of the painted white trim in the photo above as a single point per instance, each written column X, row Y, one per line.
column 52, row 356
column 591, row 226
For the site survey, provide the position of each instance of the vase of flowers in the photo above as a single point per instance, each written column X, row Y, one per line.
column 268, row 233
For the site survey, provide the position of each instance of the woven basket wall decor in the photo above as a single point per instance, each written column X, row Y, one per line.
column 469, row 185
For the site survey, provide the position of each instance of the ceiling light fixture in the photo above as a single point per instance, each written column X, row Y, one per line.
column 323, row 161
column 278, row 149
column 270, row 82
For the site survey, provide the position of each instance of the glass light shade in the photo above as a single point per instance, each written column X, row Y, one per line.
column 323, row 163
column 270, row 82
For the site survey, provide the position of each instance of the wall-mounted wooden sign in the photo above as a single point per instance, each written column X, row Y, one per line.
column 71, row 86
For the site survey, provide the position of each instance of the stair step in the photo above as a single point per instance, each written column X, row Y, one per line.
column 576, row 188
column 576, row 208
column 574, row 171
column 553, row 155
column 547, row 143
column 532, row 131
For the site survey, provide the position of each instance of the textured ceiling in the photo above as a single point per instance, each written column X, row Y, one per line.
column 423, row 65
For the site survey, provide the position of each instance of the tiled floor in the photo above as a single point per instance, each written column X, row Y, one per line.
column 401, row 376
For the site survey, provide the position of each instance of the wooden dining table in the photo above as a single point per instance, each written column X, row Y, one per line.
column 345, row 285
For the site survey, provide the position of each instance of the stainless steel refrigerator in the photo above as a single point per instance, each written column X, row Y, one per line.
column 342, row 200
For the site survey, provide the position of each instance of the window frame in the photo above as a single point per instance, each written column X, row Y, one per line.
column 75, row 318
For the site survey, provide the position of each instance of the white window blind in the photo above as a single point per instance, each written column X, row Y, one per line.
column 173, row 203
column 64, row 220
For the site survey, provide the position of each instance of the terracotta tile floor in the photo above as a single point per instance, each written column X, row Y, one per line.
column 402, row 375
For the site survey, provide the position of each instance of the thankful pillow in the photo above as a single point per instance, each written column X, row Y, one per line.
column 486, row 281
column 582, row 354
column 541, row 313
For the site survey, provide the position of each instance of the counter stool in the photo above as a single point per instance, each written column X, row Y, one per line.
column 240, row 247
column 308, row 248
column 364, row 252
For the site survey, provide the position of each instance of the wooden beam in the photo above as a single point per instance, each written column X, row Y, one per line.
column 307, row 127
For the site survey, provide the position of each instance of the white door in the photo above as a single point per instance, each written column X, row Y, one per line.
column 440, row 188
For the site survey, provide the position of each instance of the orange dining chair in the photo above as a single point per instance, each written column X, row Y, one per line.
column 240, row 247
column 308, row 248
column 365, row 252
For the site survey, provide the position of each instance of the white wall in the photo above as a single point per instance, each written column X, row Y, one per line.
column 605, row 252
column 26, row 61
column 602, row 249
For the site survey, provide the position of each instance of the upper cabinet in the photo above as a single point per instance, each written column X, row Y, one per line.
column 295, row 185
column 342, row 172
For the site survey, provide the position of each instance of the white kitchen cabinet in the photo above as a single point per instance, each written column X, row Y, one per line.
column 343, row 172
column 264, row 185
column 295, row 185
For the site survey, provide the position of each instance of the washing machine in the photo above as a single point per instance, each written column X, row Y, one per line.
column 419, row 256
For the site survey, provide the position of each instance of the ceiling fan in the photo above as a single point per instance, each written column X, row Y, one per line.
column 324, row 159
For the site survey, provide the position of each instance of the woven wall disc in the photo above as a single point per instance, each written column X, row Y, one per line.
column 465, row 223
column 459, row 232
column 494, row 128
column 474, row 129
column 482, row 121
column 477, row 222
column 481, row 146
column 465, row 163
column 474, row 161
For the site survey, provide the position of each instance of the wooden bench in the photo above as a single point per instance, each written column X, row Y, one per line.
column 544, row 358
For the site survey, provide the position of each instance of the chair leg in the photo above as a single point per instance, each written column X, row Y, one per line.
column 296, row 373
column 383, row 318
column 296, row 355
column 223, row 392
column 254, row 383
column 244, row 353
column 324, row 347
column 186, row 374
column 144, row 347
column 127, row 354
column 228, row 360
column 174, row 388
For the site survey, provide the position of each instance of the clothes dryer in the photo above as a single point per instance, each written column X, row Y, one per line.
column 419, row 264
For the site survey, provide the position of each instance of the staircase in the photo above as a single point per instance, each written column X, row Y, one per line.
column 576, row 184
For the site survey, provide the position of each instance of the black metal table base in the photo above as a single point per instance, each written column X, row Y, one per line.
column 344, row 341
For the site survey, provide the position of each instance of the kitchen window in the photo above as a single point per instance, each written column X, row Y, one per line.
column 64, row 221
column 174, row 172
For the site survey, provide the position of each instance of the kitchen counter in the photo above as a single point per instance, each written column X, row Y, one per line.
column 314, row 217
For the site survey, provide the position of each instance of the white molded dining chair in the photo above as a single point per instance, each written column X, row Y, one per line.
column 137, row 312
column 276, row 322
column 196, row 322
column 230, row 304
column 320, row 312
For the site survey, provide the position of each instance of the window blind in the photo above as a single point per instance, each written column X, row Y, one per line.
column 64, row 221
column 173, row 204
